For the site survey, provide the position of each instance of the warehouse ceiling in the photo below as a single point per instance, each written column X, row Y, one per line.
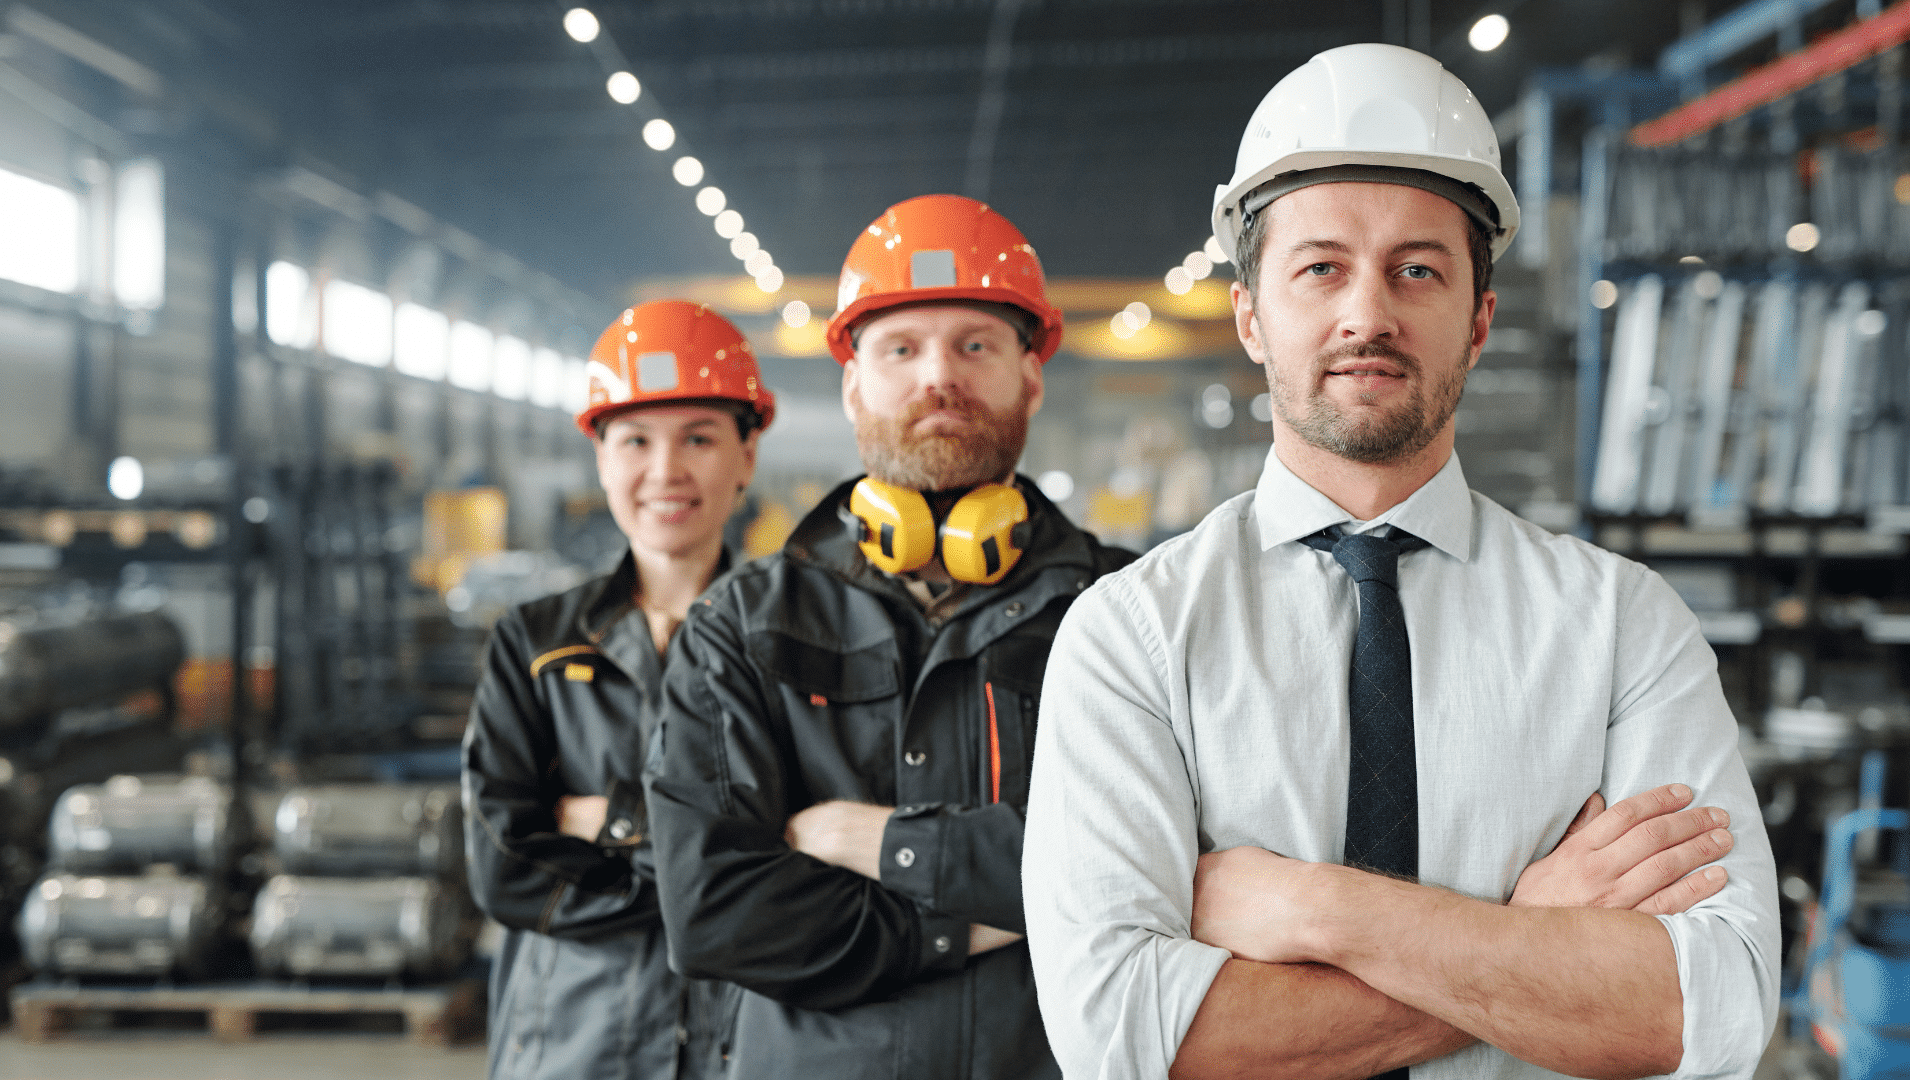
column 1100, row 126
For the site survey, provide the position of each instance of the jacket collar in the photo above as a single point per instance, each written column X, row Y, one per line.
column 616, row 597
column 1287, row 508
column 821, row 540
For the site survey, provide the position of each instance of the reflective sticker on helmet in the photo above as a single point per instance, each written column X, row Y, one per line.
column 656, row 371
column 932, row 269
column 615, row 389
column 847, row 289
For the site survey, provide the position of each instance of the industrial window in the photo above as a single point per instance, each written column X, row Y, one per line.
column 139, row 236
column 39, row 233
column 471, row 348
column 421, row 339
column 291, row 311
column 511, row 369
column 357, row 323
column 547, row 378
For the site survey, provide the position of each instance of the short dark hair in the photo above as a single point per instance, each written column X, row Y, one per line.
column 747, row 418
column 1253, row 236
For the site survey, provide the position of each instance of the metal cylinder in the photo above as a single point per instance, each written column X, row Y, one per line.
column 48, row 669
column 379, row 927
column 370, row 830
column 150, row 926
column 132, row 822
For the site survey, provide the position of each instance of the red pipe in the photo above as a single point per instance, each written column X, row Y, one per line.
column 1784, row 76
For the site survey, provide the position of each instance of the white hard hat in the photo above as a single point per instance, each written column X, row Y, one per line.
column 1372, row 105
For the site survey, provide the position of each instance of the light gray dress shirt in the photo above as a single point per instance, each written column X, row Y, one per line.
column 1196, row 701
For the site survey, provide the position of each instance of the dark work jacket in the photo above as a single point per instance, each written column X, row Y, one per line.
column 808, row 676
column 581, row 988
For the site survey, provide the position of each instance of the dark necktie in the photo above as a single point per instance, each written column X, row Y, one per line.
column 1382, row 795
column 1382, row 792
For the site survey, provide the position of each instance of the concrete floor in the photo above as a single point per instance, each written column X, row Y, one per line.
column 194, row 1056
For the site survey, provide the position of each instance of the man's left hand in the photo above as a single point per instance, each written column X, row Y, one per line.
column 1254, row 904
column 841, row 833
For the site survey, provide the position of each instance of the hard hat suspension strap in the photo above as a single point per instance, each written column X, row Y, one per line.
column 1463, row 195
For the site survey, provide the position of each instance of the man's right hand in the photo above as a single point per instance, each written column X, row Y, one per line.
column 1637, row 854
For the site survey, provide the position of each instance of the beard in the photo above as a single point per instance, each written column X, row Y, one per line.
column 1379, row 438
column 983, row 452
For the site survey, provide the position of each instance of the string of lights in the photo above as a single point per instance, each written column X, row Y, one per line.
column 660, row 135
column 1179, row 280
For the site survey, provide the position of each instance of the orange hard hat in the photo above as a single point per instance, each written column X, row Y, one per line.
column 941, row 247
column 672, row 350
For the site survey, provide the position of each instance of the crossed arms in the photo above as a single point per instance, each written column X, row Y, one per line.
column 1328, row 978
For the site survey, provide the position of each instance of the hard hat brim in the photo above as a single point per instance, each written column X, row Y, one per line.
column 1229, row 197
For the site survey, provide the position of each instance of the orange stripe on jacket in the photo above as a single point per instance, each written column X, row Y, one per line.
column 994, row 746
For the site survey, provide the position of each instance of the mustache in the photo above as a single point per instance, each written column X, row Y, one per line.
column 1377, row 349
column 941, row 401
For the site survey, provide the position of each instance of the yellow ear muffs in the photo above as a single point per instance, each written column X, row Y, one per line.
column 893, row 524
column 984, row 534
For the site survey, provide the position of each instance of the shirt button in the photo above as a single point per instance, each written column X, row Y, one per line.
column 682, row 1035
column 942, row 944
column 620, row 829
column 1013, row 609
column 1080, row 584
column 905, row 857
column 915, row 757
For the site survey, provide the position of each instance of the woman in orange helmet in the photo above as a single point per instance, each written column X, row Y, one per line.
column 555, row 822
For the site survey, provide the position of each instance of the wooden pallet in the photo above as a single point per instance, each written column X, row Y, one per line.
column 434, row 1015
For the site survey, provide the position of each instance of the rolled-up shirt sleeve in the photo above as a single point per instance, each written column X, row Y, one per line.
column 1111, row 841
column 1670, row 724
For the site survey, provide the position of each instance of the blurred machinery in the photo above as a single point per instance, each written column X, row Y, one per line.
column 157, row 925
column 130, row 823
column 386, row 928
column 358, row 830
column 46, row 670
column 1849, row 1016
column 371, row 885
column 85, row 692
column 137, row 879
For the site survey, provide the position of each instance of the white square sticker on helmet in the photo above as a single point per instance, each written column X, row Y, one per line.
column 656, row 371
column 932, row 269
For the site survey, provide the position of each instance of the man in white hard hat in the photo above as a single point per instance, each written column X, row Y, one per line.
column 1295, row 767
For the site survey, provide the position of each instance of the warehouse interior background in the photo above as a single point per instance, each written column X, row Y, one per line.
column 294, row 296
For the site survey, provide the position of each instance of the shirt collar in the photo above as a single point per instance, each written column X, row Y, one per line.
column 1287, row 508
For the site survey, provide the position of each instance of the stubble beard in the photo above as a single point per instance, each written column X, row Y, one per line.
column 985, row 452
column 1376, row 438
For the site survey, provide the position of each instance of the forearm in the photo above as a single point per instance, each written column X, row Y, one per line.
column 1269, row 1021
column 1583, row 991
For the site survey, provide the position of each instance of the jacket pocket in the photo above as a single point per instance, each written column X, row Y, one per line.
column 860, row 675
column 842, row 712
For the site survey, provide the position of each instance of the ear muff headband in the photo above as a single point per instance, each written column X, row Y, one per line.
column 982, row 538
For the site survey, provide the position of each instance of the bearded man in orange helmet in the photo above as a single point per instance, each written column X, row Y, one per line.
column 554, row 820
column 837, row 800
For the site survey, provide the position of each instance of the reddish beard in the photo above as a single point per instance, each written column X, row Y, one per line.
column 982, row 451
